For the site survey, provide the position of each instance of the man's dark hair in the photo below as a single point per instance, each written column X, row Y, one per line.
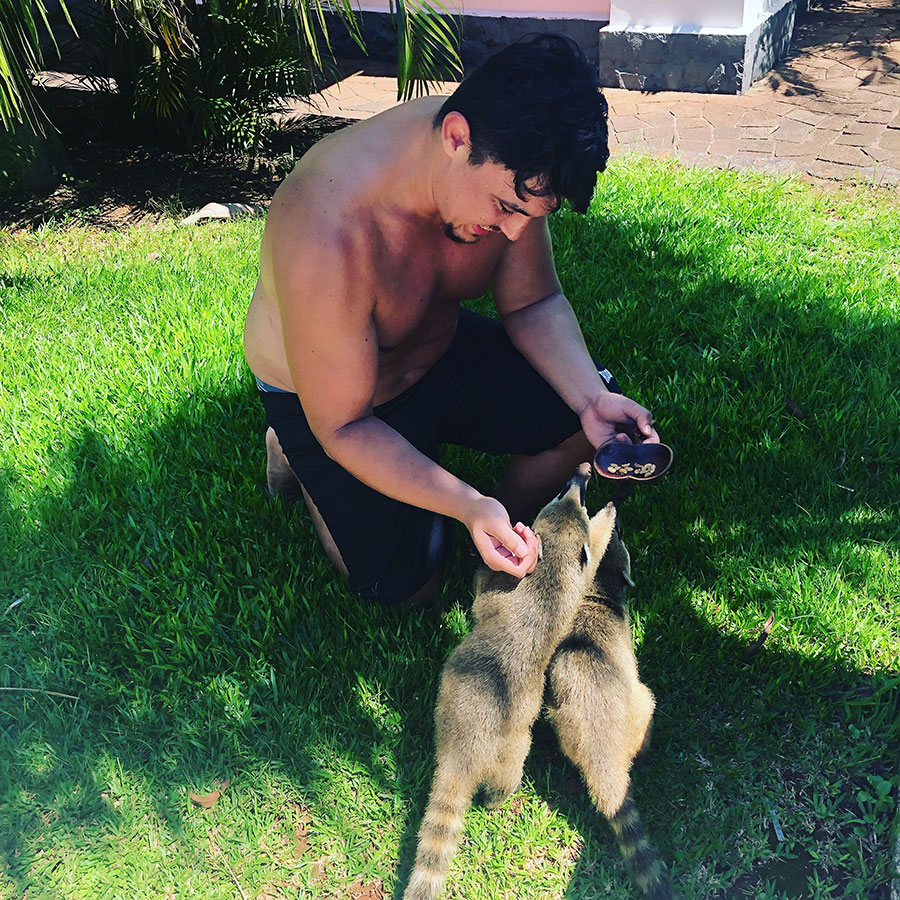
column 536, row 108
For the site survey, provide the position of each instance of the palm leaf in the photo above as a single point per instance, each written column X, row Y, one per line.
column 428, row 35
column 20, row 60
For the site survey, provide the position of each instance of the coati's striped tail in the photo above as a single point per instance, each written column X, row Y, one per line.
column 439, row 836
column 646, row 867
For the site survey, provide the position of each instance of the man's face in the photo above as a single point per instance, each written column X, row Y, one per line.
column 481, row 201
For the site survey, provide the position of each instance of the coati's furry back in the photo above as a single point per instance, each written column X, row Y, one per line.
column 492, row 684
column 601, row 711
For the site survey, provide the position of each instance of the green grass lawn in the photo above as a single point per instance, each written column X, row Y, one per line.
column 201, row 635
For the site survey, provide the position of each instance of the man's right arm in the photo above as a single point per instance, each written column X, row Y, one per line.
column 331, row 345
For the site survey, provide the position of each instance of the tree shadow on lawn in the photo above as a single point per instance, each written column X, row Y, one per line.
column 200, row 626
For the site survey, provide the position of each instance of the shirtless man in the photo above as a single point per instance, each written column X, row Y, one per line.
column 371, row 244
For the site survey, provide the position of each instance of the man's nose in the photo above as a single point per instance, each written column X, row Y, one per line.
column 513, row 226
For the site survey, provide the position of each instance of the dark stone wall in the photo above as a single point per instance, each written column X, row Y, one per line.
column 708, row 63
column 482, row 36
column 705, row 63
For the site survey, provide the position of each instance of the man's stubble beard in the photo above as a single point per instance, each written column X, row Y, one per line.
column 451, row 232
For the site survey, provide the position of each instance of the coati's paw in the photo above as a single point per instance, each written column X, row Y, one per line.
column 493, row 797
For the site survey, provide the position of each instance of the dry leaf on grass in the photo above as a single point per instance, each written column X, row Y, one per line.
column 208, row 801
column 374, row 890
column 301, row 841
column 317, row 871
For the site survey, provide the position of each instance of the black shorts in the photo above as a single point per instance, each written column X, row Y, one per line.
column 390, row 548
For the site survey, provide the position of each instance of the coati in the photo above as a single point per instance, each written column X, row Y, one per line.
column 601, row 711
column 493, row 683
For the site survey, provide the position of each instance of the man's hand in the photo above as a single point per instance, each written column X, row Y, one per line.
column 502, row 547
column 611, row 416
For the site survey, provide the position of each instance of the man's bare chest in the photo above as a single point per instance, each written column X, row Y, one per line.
column 419, row 293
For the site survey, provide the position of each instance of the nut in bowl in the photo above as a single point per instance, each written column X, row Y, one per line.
column 639, row 462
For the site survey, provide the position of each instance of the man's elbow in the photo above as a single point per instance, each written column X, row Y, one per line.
column 511, row 312
column 336, row 438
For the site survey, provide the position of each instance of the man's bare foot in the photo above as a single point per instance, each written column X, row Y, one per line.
column 280, row 477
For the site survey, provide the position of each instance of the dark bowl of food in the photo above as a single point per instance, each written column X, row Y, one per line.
column 639, row 462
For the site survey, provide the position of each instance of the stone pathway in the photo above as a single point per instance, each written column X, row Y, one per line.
column 831, row 111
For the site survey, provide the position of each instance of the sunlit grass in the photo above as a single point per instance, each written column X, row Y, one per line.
column 206, row 638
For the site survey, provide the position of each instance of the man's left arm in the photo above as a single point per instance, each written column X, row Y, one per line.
column 541, row 324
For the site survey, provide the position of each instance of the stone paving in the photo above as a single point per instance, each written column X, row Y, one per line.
column 831, row 111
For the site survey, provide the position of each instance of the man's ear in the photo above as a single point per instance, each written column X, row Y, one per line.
column 600, row 530
column 455, row 134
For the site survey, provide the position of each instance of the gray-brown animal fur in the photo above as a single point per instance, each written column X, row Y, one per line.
column 493, row 683
column 601, row 711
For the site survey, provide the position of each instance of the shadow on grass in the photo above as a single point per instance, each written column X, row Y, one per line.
column 202, row 630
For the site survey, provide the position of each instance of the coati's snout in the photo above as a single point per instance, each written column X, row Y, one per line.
column 567, row 531
column 579, row 480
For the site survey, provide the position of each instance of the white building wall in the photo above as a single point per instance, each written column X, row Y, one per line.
column 691, row 15
column 597, row 10
column 651, row 15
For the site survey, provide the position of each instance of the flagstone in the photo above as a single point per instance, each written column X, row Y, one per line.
column 657, row 119
column 635, row 136
column 724, row 148
column 792, row 131
column 625, row 123
column 877, row 117
column 693, row 146
column 808, row 116
column 659, row 132
column 884, row 156
column 848, row 156
column 661, row 143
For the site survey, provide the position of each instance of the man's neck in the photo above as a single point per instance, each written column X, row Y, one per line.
column 413, row 175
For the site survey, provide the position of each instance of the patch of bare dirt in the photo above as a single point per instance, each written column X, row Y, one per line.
column 106, row 185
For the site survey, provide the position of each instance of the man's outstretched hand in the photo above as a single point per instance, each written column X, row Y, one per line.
column 503, row 548
column 604, row 417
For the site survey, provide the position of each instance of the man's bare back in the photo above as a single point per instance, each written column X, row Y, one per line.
column 372, row 243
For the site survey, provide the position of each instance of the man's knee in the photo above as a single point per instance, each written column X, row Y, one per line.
column 410, row 577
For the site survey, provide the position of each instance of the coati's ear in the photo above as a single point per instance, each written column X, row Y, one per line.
column 601, row 529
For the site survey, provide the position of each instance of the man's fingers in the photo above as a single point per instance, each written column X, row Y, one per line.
column 501, row 560
column 518, row 561
column 643, row 420
column 645, row 423
column 513, row 541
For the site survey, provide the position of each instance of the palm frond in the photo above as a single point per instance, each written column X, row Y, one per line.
column 20, row 60
column 428, row 35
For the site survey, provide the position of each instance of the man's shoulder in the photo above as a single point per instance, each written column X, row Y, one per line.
column 314, row 210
